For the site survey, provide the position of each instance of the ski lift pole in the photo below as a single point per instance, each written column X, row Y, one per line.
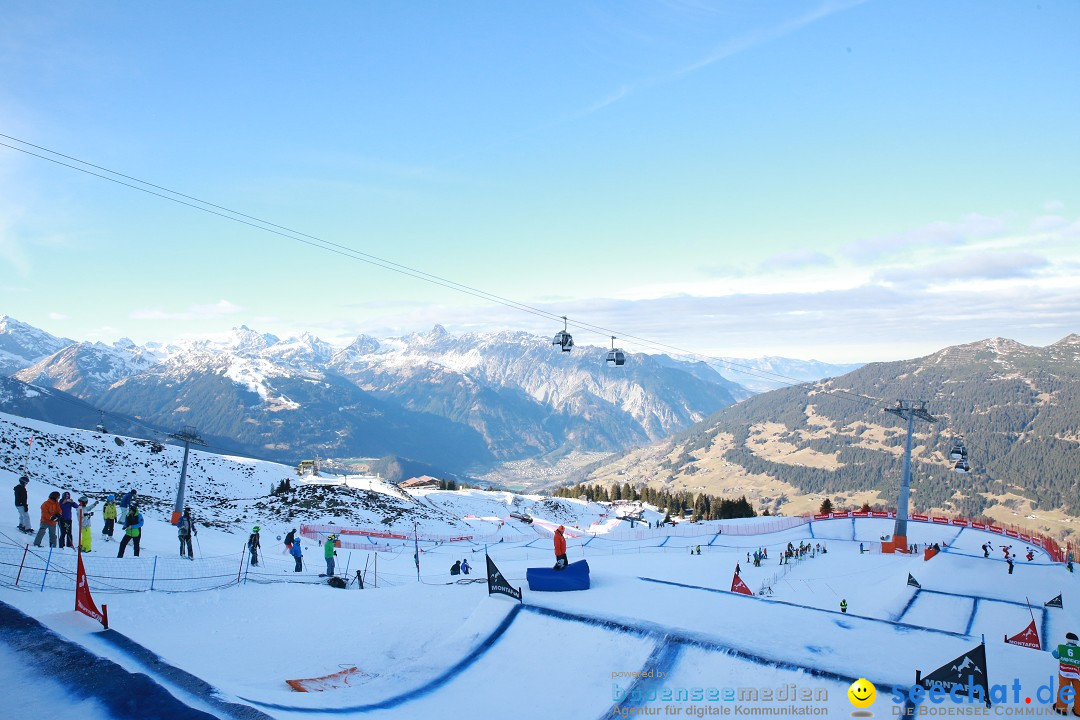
column 416, row 551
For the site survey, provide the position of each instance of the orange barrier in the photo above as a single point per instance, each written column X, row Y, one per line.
column 334, row 681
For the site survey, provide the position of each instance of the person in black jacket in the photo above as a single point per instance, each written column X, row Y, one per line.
column 253, row 546
column 22, row 505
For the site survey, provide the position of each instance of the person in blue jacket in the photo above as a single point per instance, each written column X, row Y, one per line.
column 133, row 523
column 127, row 499
column 67, row 505
column 298, row 555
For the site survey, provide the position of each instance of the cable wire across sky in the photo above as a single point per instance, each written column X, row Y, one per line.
column 283, row 231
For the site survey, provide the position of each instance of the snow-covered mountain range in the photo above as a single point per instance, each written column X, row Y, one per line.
column 456, row 402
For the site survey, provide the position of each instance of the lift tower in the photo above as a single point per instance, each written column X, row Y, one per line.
column 909, row 412
column 189, row 437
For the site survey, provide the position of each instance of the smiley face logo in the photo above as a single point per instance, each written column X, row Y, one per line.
column 862, row 693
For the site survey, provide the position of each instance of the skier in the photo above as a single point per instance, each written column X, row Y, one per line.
column 1068, row 657
column 290, row 538
column 127, row 499
column 67, row 505
column 1010, row 561
column 298, row 556
column 560, row 549
column 465, row 567
column 329, row 553
column 22, row 505
column 133, row 523
column 253, row 546
column 698, row 549
column 455, row 569
column 109, row 513
column 85, row 513
column 184, row 530
column 861, row 551
column 50, row 515
column 843, row 605
column 747, row 558
column 738, row 570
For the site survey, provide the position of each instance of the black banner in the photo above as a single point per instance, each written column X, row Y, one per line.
column 967, row 673
column 912, row 581
column 497, row 583
column 1056, row 602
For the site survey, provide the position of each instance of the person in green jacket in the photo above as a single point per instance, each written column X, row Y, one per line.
column 109, row 513
column 330, row 553
column 843, row 606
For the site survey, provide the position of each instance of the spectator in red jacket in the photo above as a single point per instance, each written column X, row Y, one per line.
column 560, row 549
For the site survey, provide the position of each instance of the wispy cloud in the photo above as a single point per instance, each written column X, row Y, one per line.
column 1053, row 206
column 724, row 50
column 934, row 235
column 194, row 312
column 796, row 260
column 57, row 316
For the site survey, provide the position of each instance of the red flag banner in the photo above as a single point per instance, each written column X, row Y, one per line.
column 84, row 603
column 1028, row 637
column 738, row 586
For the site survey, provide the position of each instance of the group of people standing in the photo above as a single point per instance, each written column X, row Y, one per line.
column 60, row 512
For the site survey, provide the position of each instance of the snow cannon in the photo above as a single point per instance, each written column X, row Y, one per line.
column 574, row 576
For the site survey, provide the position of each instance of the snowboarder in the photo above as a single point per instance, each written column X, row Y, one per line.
column 127, row 499
column 184, row 530
column 253, row 546
column 109, row 513
column 1010, row 561
column 133, row 523
column 1030, row 555
column 465, row 567
column 329, row 553
column 86, row 534
column 50, row 515
column 455, row 569
column 298, row 556
column 560, row 549
column 986, row 550
column 67, row 505
column 843, row 605
column 22, row 505
column 1068, row 657
column 290, row 538
column 738, row 570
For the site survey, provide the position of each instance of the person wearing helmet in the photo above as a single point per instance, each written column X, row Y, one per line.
column 86, row 535
column 560, row 549
column 109, row 513
column 133, row 523
column 184, row 530
column 329, row 553
column 298, row 555
column 50, row 515
column 67, row 519
column 1068, row 657
column 253, row 546
column 22, row 504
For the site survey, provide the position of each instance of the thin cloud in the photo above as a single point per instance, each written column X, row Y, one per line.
column 57, row 316
column 1053, row 206
column 935, row 235
column 195, row 312
column 796, row 260
column 723, row 51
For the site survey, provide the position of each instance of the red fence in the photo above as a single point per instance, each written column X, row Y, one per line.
column 1052, row 547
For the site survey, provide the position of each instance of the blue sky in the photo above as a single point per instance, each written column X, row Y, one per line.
column 840, row 180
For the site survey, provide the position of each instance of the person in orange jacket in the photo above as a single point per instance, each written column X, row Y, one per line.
column 560, row 549
column 50, row 514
